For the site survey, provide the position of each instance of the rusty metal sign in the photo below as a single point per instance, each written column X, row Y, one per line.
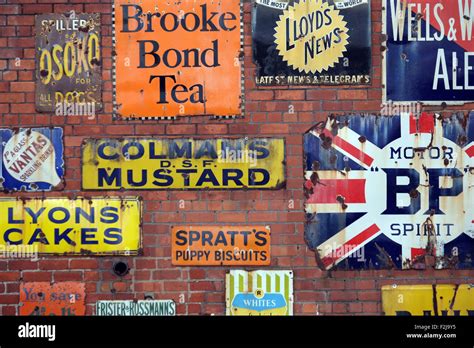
column 259, row 293
column 68, row 64
column 157, row 164
column 136, row 308
column 391, row 192
column 430, row 49
column 32, row 159
column 46, row 299
column 220, row 245
column 312, row 42
column 83, row 226
column 428, row 300
column 158, row 76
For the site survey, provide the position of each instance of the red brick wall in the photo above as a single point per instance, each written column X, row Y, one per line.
column 196, row 290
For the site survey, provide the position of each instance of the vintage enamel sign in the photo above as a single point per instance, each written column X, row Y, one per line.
column 158, row 75
column 149, row 308
column 391, row 192
column 220, row 245
column 430, row 51
column 83, row 226
column 259, row 293
column 428, row 300
column 312, row 42
column 149, row 163
column 32, row 159
column 46, row 299
column 68, row 64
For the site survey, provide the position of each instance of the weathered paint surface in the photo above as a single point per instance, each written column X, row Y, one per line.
column 32, row 159
column 136, row 308
column 84, row 226
column 160, row 76
column 429, row 51
column 220, row 245
column 259, row 293
column 428, row 300
column 68, row 63
column 144, row 164
column 312, row 42
column 43, row 298
column 391, row 192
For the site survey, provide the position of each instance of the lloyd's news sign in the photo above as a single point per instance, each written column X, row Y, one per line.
column 32, row 159
column 312, row 42
column 68, row 64
column 83, row 226
column 157, row 164
column 430, row 51
column 177, row 58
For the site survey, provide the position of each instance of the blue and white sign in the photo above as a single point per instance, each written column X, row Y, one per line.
column 32, row 159
column 430, row 51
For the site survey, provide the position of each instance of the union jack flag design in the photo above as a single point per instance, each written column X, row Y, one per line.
column 390, row 192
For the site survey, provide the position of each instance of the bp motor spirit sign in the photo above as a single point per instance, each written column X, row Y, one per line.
column 430, row 51
column 312, row 42
column 68, row 64
column 177, row 58
column 391, row 192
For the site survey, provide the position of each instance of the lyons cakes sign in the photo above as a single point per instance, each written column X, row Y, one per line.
column 177, row 59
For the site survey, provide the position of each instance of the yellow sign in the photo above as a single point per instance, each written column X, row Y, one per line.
column 311, row 36
column 140, row 164
column 428, row 300
column 83, row 226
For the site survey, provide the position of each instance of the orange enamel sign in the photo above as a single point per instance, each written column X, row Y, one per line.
column 177, row 58
column 220, row 245
column 44, row 298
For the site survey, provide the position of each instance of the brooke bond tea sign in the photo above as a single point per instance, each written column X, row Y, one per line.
column 309, row 42
column 32, row 159
column 68, row 63
column 177, row 58
column 430, row 51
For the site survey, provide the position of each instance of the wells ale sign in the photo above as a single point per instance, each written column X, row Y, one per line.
column 308, row 42
column 68, row 63
column 177, row 58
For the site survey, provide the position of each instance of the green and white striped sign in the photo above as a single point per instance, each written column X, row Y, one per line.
column 259, row 293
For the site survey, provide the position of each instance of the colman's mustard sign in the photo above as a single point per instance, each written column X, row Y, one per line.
column 140, row 164
column 63, row 226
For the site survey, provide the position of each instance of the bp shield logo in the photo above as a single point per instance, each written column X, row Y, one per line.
column 391, row 192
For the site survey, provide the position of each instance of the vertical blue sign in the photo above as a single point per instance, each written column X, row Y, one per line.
column 430, row 51
column 32, row 159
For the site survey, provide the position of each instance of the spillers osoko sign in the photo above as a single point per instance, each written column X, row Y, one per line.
column 391, row 192
column 177, row 58
column 312, row 42
column 68, row 64
column 32, row 159
column 430, row 51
